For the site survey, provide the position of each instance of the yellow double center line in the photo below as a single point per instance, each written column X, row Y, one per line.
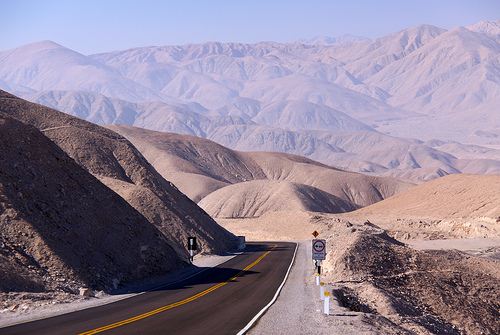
column 164, row 308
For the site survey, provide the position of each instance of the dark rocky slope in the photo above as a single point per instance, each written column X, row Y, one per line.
column 60, row 216
column 61, row 228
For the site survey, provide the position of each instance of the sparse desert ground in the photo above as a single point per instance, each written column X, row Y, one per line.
column 415, row 285
column 379, row 285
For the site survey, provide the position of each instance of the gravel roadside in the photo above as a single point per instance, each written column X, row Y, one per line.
column 299, row 309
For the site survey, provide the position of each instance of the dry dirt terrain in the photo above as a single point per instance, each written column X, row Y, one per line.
column 434, row 270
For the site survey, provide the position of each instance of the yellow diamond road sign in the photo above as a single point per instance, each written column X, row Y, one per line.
column 315, row 233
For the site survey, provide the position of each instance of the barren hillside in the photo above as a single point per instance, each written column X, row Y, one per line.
column 119, row 165
column 200, row 167
column 388, row 283
column 61, row 229
column 438, row 292
column 195, row 165
column 455, row 196
column 360, row 189
column 447, row 284
column 254, row 198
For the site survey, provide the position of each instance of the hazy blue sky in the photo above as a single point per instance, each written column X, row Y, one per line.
column 89, row 26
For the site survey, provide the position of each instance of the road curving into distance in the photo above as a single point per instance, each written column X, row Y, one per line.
column 221, row 300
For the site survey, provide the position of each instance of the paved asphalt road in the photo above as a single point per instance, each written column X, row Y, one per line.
column 220, row 300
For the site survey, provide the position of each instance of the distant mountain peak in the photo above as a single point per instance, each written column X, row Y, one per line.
column 42, row 45
column 486, row 27
column 424, row 32
column 34, row 49
column 325, row 40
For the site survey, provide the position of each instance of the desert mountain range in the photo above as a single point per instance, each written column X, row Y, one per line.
column 327, row 40
column 201, row 120
column 80, row 203
column 418, row 104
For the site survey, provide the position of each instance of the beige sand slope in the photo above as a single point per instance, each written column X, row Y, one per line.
column 454, row 196
column 199, row 167
column 254, row 198
column 361, row 190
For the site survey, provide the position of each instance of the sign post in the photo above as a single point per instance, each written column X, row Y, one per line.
column 191, row 247
column 318, row 254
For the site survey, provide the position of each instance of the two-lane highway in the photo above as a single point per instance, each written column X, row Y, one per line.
column 221, row 300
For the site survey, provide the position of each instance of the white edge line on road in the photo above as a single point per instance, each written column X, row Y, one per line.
column 256, row 317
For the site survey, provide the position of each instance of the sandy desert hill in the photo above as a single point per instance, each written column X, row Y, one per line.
column 113, row 193
column 455, row 196
column 452, row 207
column 254, row 198
column 456, row 206
column 61, row 228
column 114, row 161
column 449, row 283
column 426, row 260
column 195, row 165
column 220, row 173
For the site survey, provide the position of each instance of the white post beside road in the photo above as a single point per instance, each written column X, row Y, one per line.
column 318, row 278
column 322, row 290
column 326, row 308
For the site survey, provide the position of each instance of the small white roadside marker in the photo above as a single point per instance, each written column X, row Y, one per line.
column 327, row 303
